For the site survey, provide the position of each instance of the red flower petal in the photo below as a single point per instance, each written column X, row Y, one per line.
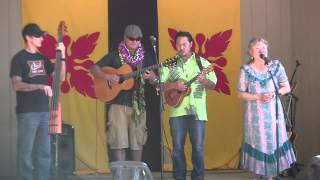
column 222, row 83
column 50, row 80
column 172, row 34
column 65, row 87
column 82, row 82
column 221, row 61
column 200, row 38
column 84, row 46
column 48, row 47
column 87, row 64
column 217, row 44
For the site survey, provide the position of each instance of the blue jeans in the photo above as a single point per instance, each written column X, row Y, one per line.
column 33, row 146
column 180, row 126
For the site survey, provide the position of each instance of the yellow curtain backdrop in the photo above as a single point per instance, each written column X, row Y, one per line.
column 209, row 17
column 85, row 113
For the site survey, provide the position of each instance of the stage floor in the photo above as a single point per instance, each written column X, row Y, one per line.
column 209, row 175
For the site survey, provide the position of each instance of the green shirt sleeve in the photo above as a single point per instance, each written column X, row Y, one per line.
column 210, row 76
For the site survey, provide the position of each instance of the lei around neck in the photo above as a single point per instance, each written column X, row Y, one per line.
column 134, row 59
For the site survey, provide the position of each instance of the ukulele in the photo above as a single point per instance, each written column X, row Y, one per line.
column 107, row 91
column 174, row 97
column 55, row 122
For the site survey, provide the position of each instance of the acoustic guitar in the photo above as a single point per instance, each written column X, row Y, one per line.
column 174, row 97
column 106, row 91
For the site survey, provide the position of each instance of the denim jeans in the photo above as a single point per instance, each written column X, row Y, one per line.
column 33, row 146
column 180, row 126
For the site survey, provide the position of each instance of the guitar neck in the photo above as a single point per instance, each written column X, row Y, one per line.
column 142, row 70
column 204, row 71
column 192, row 80
column 56, row 78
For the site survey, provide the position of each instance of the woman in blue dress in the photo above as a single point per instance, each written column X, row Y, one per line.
column 256, row 89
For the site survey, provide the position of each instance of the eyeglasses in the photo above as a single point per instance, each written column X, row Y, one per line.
column 133, row 39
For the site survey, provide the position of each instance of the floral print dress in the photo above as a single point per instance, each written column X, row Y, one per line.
column 259, row 149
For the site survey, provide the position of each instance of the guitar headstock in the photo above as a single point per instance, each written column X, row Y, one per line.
column 62, row 29
column 170, row 62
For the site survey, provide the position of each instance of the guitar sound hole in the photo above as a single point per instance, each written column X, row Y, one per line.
column 121, row 79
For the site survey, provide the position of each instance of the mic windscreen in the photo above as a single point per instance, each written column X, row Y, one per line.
column 262, row 56
column 153, row 40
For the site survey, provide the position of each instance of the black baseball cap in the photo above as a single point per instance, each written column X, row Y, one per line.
column 32, row 30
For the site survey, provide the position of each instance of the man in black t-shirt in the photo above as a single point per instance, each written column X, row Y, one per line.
column 29, row 73
column 126, row 126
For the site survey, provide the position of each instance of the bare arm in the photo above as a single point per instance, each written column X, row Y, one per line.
column 97, row 73
column 177, row 85
column 264, row 98
column 284, row 88
column 63, row 71
column 18, row 85
column 207, row 83
column 249, row 96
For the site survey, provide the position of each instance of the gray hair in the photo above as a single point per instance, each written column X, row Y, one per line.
column 253, row 41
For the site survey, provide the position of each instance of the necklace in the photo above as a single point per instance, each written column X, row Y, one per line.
column 125, row 56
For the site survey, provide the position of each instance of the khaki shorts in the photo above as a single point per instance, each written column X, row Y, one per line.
column 122, row 130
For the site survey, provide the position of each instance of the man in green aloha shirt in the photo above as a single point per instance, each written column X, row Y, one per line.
column 190, row 115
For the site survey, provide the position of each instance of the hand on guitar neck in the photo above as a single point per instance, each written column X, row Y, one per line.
column 175, row 92
column 204, row 82
column 149, row 75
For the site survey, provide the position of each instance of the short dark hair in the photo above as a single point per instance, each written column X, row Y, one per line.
column 184, row 34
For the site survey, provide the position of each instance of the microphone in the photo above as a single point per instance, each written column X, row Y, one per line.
column 153, row 41
column 265, row 58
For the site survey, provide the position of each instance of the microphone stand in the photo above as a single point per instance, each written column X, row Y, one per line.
column 161, row 108
column 277, row 96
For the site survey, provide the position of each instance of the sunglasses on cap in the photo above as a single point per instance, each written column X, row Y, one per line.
column 134, row 39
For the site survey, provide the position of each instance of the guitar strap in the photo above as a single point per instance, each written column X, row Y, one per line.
column 199, row 62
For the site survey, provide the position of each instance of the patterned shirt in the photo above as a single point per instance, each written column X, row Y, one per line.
column 195, row 102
